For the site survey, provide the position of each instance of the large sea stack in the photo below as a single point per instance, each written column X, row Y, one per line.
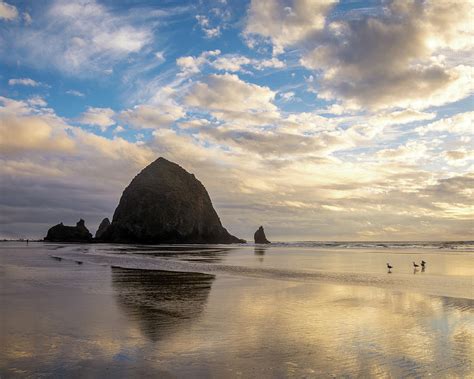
column 166, row 204
column 64, row 233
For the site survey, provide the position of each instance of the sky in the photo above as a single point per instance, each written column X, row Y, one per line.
column 319, row 119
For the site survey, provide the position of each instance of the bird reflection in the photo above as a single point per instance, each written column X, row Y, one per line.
column 161, row 301
column 260, row 252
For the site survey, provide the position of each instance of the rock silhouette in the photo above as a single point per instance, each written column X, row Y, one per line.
column 259, row 236
column 64, row 233
column 102, row 228
column 166, row 204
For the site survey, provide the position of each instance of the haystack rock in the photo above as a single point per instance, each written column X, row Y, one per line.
column 64, row 233
column 259, row 236
column 166, row 204
column 102, row 228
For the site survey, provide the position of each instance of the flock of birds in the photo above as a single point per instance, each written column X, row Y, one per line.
column 415, row 267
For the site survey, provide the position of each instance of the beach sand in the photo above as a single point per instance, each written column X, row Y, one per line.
column 234, row 311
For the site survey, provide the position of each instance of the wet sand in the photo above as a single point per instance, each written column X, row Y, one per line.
column 242, row 313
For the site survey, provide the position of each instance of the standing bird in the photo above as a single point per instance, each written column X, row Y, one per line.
column 389, row 267
column 415, row 265
column 423, row 264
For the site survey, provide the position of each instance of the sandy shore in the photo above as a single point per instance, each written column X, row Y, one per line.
column 234, row 312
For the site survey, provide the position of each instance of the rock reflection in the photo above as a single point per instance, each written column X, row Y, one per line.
column 161, row 301
column 260, row 252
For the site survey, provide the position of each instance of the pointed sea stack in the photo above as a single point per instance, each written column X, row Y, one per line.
column 63, row 233
column 259, row 236
column 166, row 204
column 102, row 228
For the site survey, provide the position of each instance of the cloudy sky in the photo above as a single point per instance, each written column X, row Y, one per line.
column 319, row 119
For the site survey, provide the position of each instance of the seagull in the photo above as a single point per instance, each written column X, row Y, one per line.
column 389, row 267
column 423, row 266
column 415, row 265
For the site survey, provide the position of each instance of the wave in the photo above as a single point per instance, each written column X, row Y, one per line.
column 441, row 245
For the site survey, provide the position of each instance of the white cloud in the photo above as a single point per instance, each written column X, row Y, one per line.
column 286, row 22
column 235, row 63
column 37, row 101
column 459, row 158
column 390, row 60
column 160, row 56
column 119, row 129
column 205, row 24
column 32, row 133
column 408, row 55
column 409, row 153
column 81, row 37
column 195, row 123
column 287, row 96
column 7, row 11
column 404, row 116
column 23, row 82
column 461, row 123
column 268, row 63
column 228, row 97
column 24, row 129
column 307, row 123
column 149, row 116
column 192, row 65
column 232, row 63
column 75, row 93
column 101, row 117
column 27, row 18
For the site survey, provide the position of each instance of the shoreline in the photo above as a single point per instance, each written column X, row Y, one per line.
column 395, row 282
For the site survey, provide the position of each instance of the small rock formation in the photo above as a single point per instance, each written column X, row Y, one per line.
column 259, row 236
column 102, row 228
column 166, row 204
column 63, row 233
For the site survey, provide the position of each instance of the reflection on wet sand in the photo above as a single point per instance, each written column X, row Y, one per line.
column 346, row 331
column 69, row 320
column 160, row 301
column 260, row 252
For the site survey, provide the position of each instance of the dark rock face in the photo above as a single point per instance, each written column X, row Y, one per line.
column 166, row 204
column 63, row 233
column 259, row 236
column 102, row 228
